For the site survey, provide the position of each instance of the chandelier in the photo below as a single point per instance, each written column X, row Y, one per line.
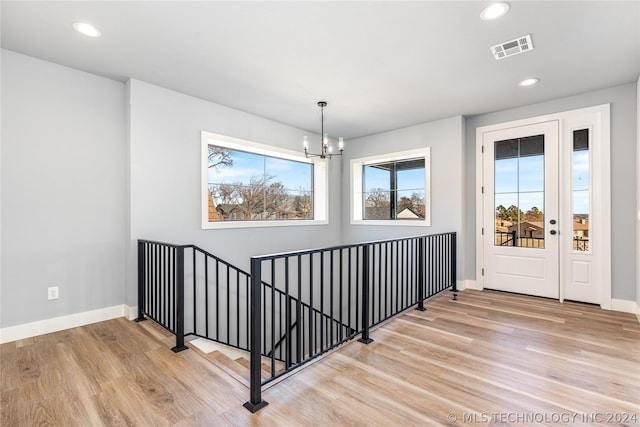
column 327, row 149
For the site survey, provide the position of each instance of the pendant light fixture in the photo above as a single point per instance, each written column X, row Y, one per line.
column 326, row 150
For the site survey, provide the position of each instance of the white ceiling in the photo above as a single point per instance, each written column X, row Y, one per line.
column 380, row 65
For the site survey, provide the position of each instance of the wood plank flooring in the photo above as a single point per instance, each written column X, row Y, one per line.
column 489, row 358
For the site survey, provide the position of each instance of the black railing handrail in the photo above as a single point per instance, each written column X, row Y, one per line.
column 338, row 247
column 170, row 245
column 293, row 326
column 196, row 248
column 304, row 304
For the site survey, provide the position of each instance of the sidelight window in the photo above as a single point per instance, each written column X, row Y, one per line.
column 581, row 190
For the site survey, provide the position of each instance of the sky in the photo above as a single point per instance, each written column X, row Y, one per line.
column 409, row 179
column 294, row 175
column 523, row 178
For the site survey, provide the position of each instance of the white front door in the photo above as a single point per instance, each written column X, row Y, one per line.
column 544, row 206
column 521, row 209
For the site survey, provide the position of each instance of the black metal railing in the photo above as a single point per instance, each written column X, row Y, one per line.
column 206, row 297
column 511, row 238
column 161, row 286
column 321, row 298
column 506, row 238
column 581, row 244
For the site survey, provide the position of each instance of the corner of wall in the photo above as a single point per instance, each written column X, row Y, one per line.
column 129, row 246
column 462, row 253
column 638, row 199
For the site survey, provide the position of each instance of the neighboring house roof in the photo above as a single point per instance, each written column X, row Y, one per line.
column 528, row 225
column 408, row 213
column 213, row 212
column 384, row 212
column 372, row 212
column 227, row 207
column 579, row 226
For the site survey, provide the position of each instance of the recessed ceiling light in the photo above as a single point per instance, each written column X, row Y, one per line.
column 494, row 11
column 87, row 29
column 529, row 82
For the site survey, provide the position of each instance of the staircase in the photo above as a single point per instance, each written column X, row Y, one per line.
column 231, row 360
column 293, row 307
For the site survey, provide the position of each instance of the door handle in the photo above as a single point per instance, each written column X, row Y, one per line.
column 553, row 232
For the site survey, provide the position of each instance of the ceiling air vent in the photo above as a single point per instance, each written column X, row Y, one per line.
column 513, row 47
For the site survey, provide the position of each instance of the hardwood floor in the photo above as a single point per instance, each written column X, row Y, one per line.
column 489, row 358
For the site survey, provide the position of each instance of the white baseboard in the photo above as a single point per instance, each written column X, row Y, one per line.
column 41, row 327
column 130, row 313
column 625, row 306
column 469, row 284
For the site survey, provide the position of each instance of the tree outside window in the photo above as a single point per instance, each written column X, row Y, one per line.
column 244, row 186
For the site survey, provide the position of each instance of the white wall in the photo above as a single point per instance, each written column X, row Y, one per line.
column 446, row 139
column 638, row 200
column 63, row 190
column 164, row 147
column 623, row 185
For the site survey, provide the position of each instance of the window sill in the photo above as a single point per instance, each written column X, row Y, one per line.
column 261, row 224
column 391, row 222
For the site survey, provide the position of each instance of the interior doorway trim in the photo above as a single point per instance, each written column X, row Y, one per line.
column 601, row 189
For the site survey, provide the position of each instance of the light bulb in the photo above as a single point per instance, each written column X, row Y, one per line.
column 494, row 11
column 87, row 29
column 529, row 82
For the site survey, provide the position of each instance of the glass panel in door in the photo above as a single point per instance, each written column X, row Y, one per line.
column 581, row 186
column 519, row 192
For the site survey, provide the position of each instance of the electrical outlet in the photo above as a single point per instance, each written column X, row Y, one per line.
column 52, row 293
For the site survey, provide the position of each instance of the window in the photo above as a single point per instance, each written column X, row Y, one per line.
column 581, row 186
column 519, row 192
column 246, row 184
column 392, row 189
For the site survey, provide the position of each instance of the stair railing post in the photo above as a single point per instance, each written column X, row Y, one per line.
column 255, row 402
column 179, row 300
column 365, row 296
column 454, row 280
column 421, row 280
column 141, row 280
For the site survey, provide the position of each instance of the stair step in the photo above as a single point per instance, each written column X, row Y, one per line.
column 230, row 366
column 265, row 372
column 232, row 360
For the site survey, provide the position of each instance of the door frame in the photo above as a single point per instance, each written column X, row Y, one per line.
column 601, row 188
